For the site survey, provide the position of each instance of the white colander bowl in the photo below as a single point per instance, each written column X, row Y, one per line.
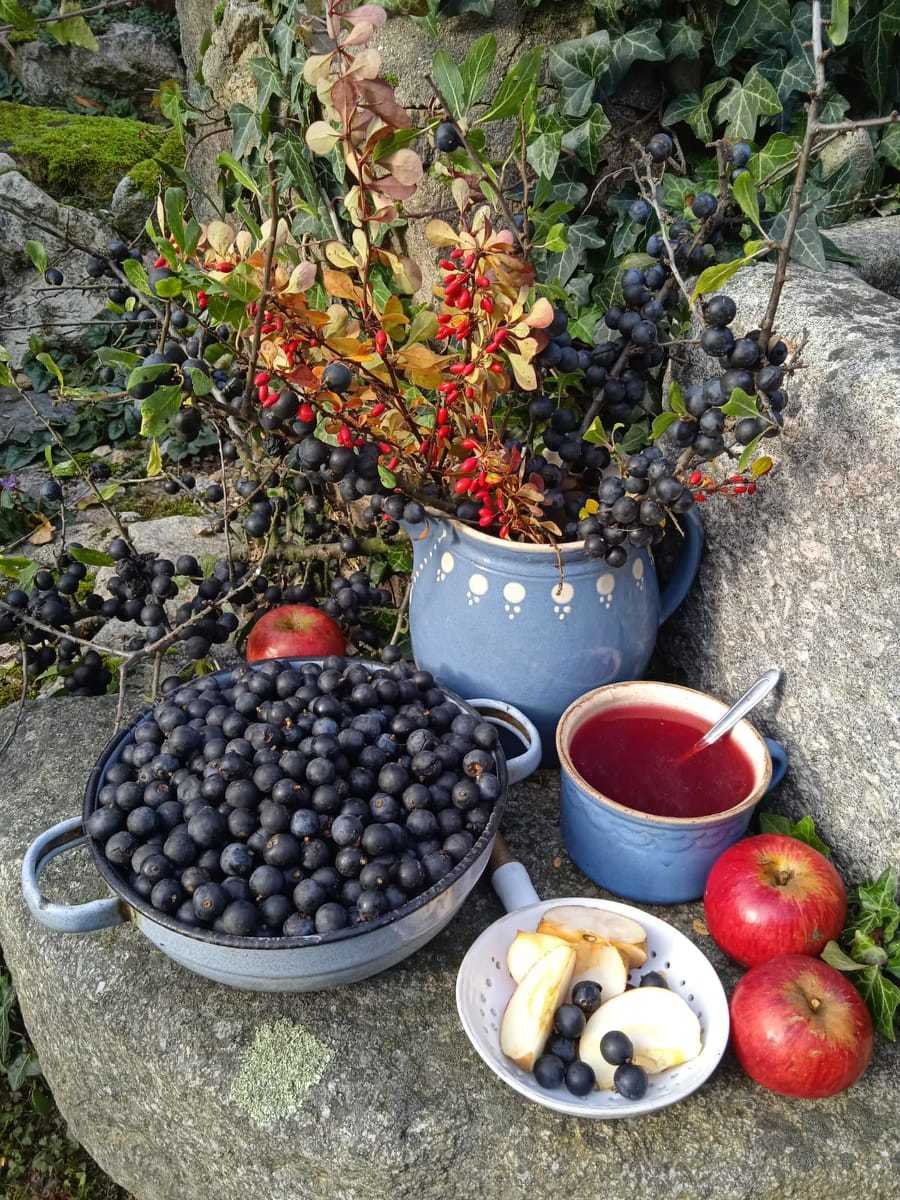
column 484, row 987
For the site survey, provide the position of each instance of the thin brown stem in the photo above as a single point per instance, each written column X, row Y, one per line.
column 267, row 283
column 8, row 740
column 78, row 12
column 482, row 166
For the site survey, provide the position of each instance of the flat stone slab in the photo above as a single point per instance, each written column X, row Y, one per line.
column 185, row 1090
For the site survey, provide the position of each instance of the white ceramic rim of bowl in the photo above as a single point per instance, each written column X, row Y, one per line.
column 715, row 1039
column 671, row 695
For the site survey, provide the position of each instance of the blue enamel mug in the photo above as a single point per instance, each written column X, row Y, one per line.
column 641, row 856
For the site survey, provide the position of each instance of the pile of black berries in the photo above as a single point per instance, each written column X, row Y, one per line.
column 296, row 800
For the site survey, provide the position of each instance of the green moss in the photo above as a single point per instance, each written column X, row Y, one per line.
column 148, row 173
column 77, row 157
column 151, row 507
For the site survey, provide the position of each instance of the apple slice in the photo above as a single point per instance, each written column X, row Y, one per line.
column 529, row 1015
column 603, row 962
column 577, row 924
column 526, row 948
column 663, row 1030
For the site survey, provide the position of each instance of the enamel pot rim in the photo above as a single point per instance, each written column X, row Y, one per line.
column 585, row 706
column 137, row 903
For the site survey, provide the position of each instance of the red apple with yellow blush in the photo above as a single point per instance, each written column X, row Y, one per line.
column 799, row 1027
column 771, row 895
column 295, row 631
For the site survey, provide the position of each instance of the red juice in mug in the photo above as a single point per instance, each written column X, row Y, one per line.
column 636, row 755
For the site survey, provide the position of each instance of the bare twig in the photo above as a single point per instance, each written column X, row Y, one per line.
column 864, row 123
column 401, row 613
column 225, row 513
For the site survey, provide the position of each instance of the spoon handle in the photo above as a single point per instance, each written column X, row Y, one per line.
column 766, row 682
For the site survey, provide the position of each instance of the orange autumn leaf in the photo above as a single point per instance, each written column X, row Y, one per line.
column 336, row 283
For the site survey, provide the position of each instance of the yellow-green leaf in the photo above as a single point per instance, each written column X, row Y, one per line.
column 839, row 24
column 424, row 326
column 717, row 276
column 154, row 462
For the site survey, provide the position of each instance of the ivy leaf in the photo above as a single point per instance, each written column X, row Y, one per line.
column 778, row 151
column 744, row 23
column 38, row 256
column 883, row 999
column 835, row 957
column 638, row 43
column 246, row 133
column 799, row 75
column 834, row 107
column 585, row 139
column 716, row 276
column 693, row 109
column 681, row 39
column 476, row 69
column 158, row 409
column 739, row 404
column 746, row 103
column 806, row 248
column 268, row 80
column 839, row 25
column 876, row 25
column 866, row 950
column 511, row 94
column 580, row 236
column 575, row 66
column 889, row 146
column 745, row 192
column 876, row 905
column 449, row 80
column 803, row 830
column 543, row 152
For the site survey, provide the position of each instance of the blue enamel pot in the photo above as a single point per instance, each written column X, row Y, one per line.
column 659, row 860
column 536, row 625
column 276, row 964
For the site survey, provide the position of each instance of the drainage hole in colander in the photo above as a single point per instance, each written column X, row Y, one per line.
column 488, row 983
column 482, row 997
column 668, row 966
column 653, row 954
column 493, row 1012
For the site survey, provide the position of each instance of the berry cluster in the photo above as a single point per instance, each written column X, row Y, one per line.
column 291, row 801
column 559, row 1063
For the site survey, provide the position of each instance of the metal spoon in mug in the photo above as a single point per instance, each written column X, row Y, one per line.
column 758, row 691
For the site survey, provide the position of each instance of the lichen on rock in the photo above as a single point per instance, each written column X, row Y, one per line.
column 277, row 1071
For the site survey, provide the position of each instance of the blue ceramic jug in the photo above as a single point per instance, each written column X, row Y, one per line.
column 537, row 626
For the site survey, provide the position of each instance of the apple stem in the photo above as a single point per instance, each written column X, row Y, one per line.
column 783, row 877
column 815, row 1003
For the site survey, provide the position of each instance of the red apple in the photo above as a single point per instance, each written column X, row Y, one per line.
column 771, row 895
column 799, row 1027
column 294, row 631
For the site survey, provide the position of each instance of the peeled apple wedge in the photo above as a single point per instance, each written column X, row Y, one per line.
column 663, row 1030
column 604, row 963
column 529, row 1015
column 578, row 924
column 526, row 948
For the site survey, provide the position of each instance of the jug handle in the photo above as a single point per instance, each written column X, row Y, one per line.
column 686, row 568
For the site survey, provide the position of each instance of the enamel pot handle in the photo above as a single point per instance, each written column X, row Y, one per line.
column 514, row 721
column 685, row 569
column 64, row 918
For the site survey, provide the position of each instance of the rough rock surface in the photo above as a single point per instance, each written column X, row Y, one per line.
column 807, row 575
column 25, row 300
column 180, row 1088
column 875, row 243
column 131, row 62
